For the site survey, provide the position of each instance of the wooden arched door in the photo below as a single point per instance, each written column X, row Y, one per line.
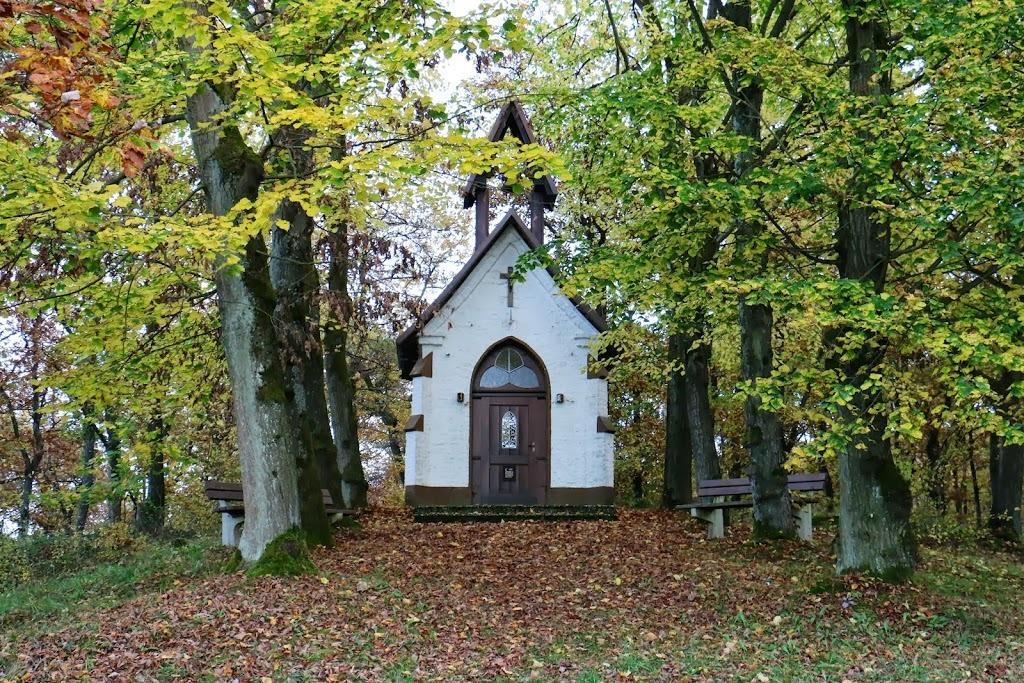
column 509, row 436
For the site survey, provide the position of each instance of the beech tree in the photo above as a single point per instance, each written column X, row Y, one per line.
column 875, row 503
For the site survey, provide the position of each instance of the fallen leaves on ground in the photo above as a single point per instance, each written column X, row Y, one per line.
column 646, row 597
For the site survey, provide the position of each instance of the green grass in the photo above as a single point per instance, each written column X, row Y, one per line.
column 153, row 568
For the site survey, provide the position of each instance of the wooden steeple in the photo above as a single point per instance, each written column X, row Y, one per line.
column 512, row 120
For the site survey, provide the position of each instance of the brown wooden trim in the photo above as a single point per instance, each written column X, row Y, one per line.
column 597, row 495
column 414, row 423
column 605, row 425
column 424, row 366
column 419, row 496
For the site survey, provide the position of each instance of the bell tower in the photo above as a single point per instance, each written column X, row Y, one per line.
column 511, row 120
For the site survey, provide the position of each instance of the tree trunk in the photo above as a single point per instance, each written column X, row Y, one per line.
column 28, row 479
column 31, row 457
column 112, row 450
column 297, row 284
column 341, row 390
column 936, row 481
column 1007, row 469
column 153, row 510
column 974, row 480
column 391, row 422
column 280, row 480
column 875, row 500
column 772, row 511
column 87, row 478
column 638, row 486
column 700, row 419
column 678, row 487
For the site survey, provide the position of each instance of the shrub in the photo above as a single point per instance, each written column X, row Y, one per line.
column 52, row 555
column 936, row 529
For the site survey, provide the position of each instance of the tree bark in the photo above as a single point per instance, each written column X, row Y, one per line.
column 112, row 450
column 936, row 481
column 297, row 284
column 31, row 457
column 678, row 479
column 976, row 489
column 875, row 500
column 772, row 509
column 700, row 419
column 152, row 512
column 87, row 478
column 1006, row 463
column 341, row 390
column 25, row 506
column 773, row 513
column 280, row 480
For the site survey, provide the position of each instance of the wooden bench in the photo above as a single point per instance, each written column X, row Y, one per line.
column 228, row 501
column 714, row 512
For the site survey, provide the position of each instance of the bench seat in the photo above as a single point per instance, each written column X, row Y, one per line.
column 712, row 509
column 230, row 504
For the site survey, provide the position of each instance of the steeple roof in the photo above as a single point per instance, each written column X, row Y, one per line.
column 511, row 119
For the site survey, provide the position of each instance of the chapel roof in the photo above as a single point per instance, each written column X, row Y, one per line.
column 408, row 341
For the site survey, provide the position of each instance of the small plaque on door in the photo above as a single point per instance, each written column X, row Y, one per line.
column 508, row 473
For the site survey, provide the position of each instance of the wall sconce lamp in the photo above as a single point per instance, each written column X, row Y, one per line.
column 460, row 397
column 559, row 398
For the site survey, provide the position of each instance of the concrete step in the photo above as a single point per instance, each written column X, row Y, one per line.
column 508, row 513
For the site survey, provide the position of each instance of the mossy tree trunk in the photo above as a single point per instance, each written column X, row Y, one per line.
column 86, row 478
column 280, row 479
column 1006, row 466
column 875, row 500
column 297, row 314
column 112, row 449
column 152, row 511
column 700, row 419
column 31, row 457
column 772, row 511
column 678, row 476
column 341, row 390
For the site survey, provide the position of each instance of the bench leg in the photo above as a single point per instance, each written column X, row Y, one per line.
column 230, row 528
column 715, row 519
column 803, row 517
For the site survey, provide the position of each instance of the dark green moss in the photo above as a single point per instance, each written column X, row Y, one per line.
column 235, row 158
column 272, row 388
column 286, row 555
column 234, row 562
column 763, row 532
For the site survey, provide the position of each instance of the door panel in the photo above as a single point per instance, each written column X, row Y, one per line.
column 510, row 449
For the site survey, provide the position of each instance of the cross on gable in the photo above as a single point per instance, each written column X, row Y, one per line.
column 507, row 277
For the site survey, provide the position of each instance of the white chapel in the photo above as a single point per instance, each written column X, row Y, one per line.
column 505, row 409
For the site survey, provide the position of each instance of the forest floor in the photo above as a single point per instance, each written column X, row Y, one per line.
column 646, row 597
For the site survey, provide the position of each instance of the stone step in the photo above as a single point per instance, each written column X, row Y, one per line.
column 503, row 513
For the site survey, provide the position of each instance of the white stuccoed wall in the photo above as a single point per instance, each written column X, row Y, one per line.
column 473, row 320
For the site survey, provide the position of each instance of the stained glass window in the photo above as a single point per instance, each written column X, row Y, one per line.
column 509, row 368
column 509, row 430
